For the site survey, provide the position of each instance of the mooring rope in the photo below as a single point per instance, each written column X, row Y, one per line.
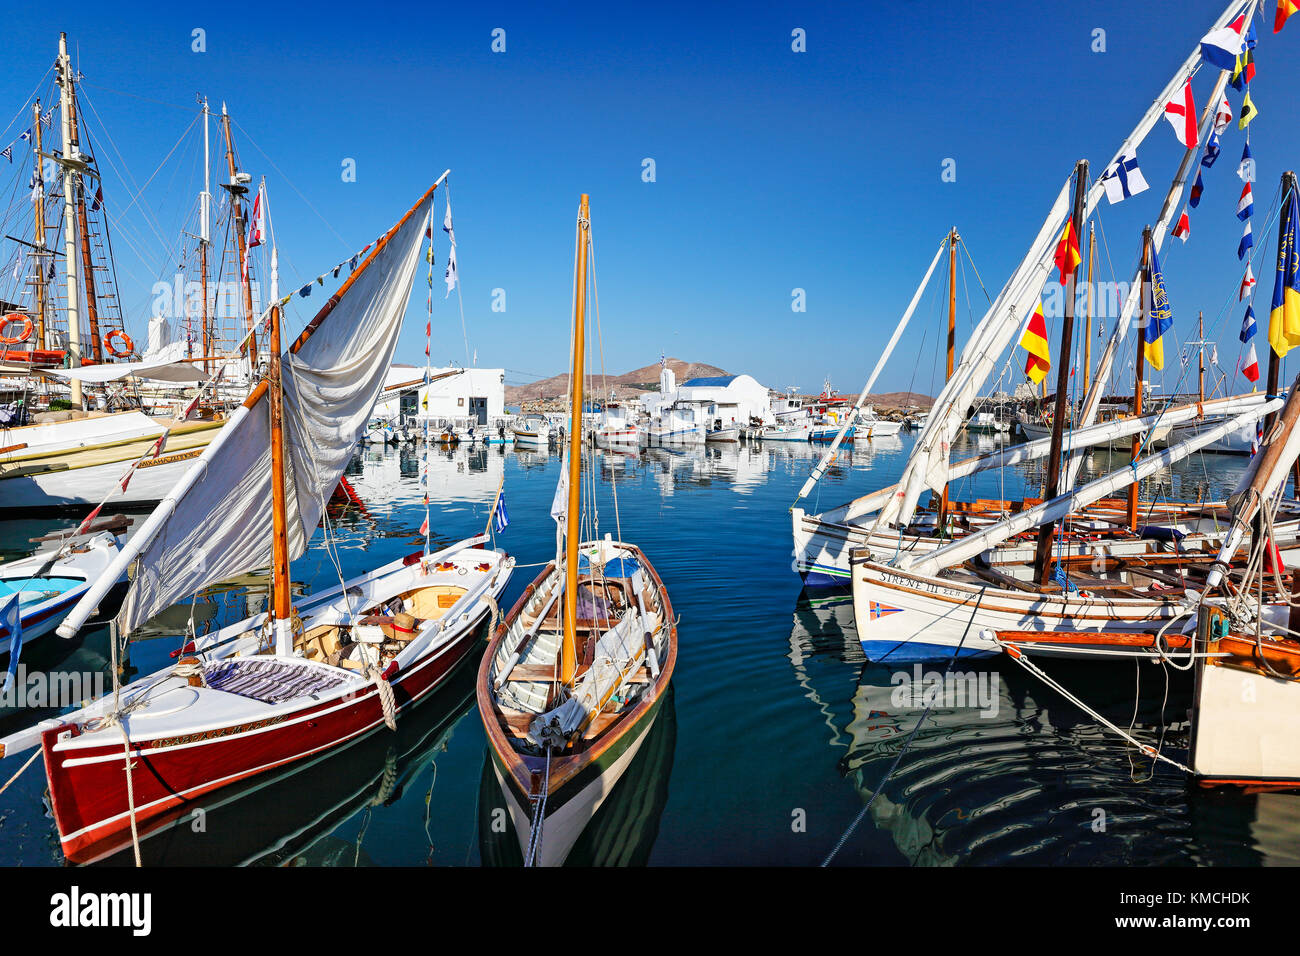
column 539, row 815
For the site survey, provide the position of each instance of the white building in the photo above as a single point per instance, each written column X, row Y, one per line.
column 473, row 394
column 736, row 398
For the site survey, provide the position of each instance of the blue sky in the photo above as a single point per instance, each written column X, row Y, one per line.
column 775, row 170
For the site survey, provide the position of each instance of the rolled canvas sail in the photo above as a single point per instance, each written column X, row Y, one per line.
column 218, row 523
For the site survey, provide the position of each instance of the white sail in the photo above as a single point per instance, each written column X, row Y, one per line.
column 217, row 523
column 1055, row 509
column 1080, row 439
column 928, row 466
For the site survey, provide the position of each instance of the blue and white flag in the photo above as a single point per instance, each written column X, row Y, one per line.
column 11, row 619
column 1248, row 327
column 1211, row 150
column 450, row 276
column 8, row 153
column 1123, row 178
column 26, row 137
column 1246, row 168
column 1247, row 240
column 503, row 516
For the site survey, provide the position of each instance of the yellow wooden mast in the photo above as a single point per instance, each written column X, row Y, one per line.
column 572, row 517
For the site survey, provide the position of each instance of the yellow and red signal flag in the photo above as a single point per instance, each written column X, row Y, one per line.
column 1067, row 252
column 1034, row 341
column 1284, row 9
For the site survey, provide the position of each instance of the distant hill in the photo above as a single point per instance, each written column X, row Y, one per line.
column 631, row 384
column 896, row 399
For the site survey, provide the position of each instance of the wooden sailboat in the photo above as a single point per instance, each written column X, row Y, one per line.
column 303, row 678
column 575, row 676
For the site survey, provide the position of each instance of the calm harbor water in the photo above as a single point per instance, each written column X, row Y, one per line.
column 777, row 730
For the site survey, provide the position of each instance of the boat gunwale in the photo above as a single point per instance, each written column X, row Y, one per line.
column 567, row 768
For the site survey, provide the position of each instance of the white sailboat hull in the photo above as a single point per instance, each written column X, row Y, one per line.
column 906, row 617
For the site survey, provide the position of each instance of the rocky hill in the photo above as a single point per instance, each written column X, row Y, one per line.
column 627, row 385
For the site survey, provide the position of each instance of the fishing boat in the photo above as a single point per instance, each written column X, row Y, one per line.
column 616, row 429
column 787, row 432
column 304, row 676
column 681, row 423
column 531, row 431
column 576, row 675
column 987, row 423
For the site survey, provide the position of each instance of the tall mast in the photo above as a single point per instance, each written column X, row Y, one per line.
column 1139, row 367
column 237, row 190
column 1087, row 318
column 83, row 228
column 953, row 239
column 41, row 254
column 281, row 607
column 205, row 234
column 1283, row 223
column 572, row 518
column 1045, row 533
column 69, row 214
column 1200, row 351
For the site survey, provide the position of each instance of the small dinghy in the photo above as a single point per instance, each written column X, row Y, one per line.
column 50, row 583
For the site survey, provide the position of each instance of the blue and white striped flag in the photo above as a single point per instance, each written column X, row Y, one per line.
column 503, row 516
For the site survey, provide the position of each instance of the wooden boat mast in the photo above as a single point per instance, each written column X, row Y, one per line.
column 1042, row 562
column 1200, row 354
column 572, row 517
column 41, row 253
column 1139, row 364
column 1274, row 362
column 237, row 191
column 281, row 611
column 83, row 230
column 67, row 161
column 953, row 239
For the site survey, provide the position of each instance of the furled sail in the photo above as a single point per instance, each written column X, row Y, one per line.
column 1080, row 438
column 217, row 522
column 928, row 467
column 1056, row 509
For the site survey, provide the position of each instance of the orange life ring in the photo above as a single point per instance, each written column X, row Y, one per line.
column 22, row 336
column 127, row 345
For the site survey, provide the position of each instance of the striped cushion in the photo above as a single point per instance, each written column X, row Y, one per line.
column 271, row 682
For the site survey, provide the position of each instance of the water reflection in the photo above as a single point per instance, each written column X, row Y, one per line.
column 1025, row 777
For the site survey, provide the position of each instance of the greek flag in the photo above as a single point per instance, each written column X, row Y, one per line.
column 1123, row 178
column 12, row 621
column 503, row 516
